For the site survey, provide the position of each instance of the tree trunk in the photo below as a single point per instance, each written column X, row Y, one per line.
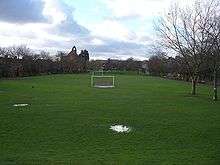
column 194, row 82
column 215, row 82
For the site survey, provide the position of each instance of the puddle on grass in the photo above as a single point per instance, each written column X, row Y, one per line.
column 20, row 105
column 120, row 128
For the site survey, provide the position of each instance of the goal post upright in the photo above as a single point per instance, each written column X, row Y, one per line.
column 91, row 80
column 113, row 81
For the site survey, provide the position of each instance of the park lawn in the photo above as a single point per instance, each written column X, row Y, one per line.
column 67, row 122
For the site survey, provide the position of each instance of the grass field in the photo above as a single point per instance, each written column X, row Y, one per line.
column 67, row 122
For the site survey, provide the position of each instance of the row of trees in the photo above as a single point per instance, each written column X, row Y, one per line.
column 22, row 61
column 175, row 68
column 193, row 33
column 122, row 65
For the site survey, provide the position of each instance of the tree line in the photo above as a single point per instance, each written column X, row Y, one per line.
column 193, row 34
column 161, row 65
column 120, row 65
column 20, row 61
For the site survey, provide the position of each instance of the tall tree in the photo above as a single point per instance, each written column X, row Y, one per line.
column 184, row 30
column 214, row 55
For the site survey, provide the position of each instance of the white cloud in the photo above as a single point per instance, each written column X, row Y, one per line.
column 97, row 41
column 109, row 38
column 33, row 35
column 112, row 29
column 141, row 8
column 51, row 35
column 52, row 10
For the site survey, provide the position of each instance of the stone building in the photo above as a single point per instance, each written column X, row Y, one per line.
column 74, row 62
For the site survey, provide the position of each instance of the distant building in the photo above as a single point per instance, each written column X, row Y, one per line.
column 72, row 55
column 74, row 62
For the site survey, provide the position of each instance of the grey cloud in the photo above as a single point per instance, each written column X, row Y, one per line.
column 70, row 26
column 117, row 48
column 21, row 11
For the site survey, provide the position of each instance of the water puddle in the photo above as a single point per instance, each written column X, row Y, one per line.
column 120, row 128
column 20, row 105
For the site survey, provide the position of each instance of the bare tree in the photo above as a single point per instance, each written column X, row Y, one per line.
column 60, row 55
column 22, row 51
column 45, row 55
column 184, row 30
column 3, row 52
column 215, row 58
column 214, row 55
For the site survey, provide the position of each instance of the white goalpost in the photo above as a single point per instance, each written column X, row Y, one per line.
column 99, row 80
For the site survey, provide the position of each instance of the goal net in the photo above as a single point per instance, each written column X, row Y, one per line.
column 103, row 81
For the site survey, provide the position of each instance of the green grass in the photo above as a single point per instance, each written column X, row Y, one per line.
column 67, row 122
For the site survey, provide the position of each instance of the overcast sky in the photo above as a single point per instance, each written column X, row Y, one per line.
column 107, row 28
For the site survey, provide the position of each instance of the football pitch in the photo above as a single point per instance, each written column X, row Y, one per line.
column 66, row 121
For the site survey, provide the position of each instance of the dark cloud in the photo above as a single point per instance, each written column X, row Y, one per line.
column 21, row 11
